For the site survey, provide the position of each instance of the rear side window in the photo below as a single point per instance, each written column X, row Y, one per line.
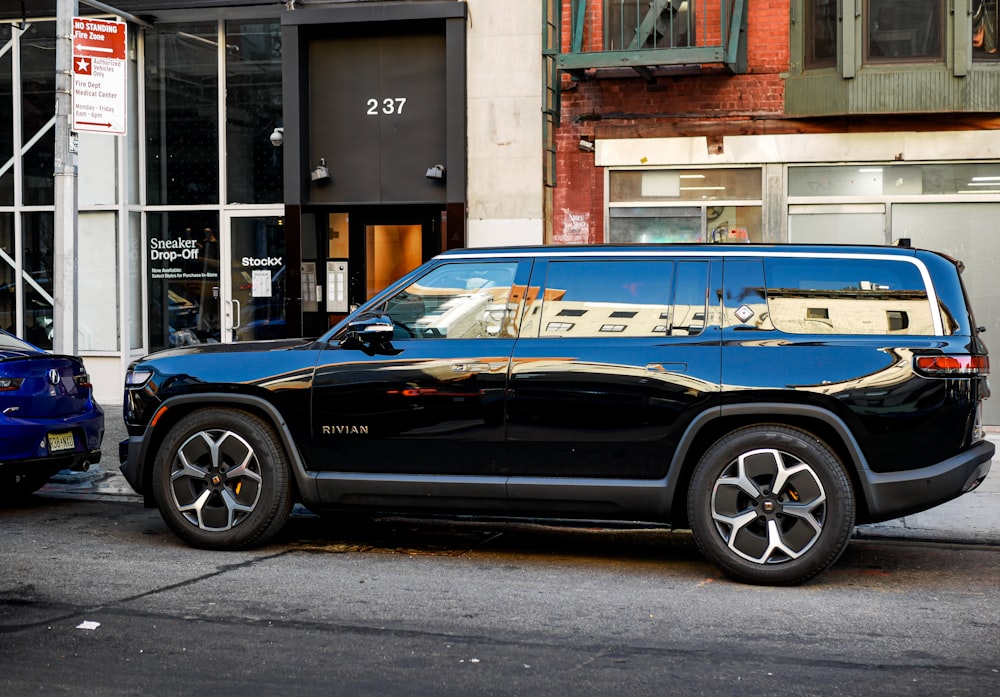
column 594, row 298
column 847, row 296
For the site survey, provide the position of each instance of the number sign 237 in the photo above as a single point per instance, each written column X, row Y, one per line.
column 390, row 106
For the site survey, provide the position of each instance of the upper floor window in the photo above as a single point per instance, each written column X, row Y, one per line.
column 629, row 25
column 985, row 14
column 903, row 30
column 821, row 46
column 898, row 31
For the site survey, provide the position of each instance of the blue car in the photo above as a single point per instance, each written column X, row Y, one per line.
column 49, row 420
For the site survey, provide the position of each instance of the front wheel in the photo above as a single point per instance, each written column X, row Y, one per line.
column 221, row 480
column 771, row 504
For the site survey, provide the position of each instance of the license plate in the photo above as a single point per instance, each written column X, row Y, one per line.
column 61, row 441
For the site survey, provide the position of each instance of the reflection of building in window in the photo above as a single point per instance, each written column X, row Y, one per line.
column 592, row 319
column 454, row 313
column 984, row 28
column 876, row 311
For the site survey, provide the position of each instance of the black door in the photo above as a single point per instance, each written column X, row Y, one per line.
column 432, row 402
column 614, row 355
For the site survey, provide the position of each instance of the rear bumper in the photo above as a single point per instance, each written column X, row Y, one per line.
column 901, row 493
column 24, row 443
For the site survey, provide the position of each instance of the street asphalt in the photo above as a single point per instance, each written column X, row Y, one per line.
column 973, row 518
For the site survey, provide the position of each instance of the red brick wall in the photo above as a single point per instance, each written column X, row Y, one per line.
column 713, row 103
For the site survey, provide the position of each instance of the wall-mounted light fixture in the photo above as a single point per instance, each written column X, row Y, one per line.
column 320, row 173
column 277, row 137
column 435, row 172
column 587, row 144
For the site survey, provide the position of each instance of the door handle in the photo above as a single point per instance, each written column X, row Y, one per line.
column 470, row 367
column 666, row 367
column 236, row 313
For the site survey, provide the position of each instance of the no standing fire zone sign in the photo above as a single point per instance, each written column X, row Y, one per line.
column 100, row 75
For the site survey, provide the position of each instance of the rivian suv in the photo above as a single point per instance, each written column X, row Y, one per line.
column 768, row 398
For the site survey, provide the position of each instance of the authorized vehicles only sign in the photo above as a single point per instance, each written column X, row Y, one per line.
column 100, row 75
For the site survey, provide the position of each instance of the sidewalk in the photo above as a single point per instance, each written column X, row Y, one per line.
column 970, row 519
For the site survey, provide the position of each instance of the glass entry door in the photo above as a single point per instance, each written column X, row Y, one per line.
column 255, row 302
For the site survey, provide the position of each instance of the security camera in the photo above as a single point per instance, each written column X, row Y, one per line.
column 278, row 137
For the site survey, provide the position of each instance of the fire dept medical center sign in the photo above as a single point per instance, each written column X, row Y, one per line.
column 100, row 74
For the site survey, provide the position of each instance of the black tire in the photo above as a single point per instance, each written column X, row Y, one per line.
column 757, row 534
column 17, row 488
column 221, row 480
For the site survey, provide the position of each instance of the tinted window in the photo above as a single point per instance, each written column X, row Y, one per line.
column 847, row 296
column 690, row 299
column 607, row 298
column 456, row 301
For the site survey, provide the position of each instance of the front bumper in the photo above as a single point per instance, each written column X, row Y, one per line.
column 129, row 454
column 901, row 493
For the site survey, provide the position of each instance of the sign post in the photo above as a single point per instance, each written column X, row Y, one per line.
column 100, row 76
column 64, row 264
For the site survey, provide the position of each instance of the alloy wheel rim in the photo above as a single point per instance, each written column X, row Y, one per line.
column 215, row 480
column 769, row 506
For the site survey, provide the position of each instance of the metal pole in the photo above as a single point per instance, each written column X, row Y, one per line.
column 65, row 271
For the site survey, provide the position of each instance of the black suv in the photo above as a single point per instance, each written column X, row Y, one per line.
column 766, row 397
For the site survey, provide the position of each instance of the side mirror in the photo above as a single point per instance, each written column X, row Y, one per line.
column 370, row 329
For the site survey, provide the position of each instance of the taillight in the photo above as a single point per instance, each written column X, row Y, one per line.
column 10, row 384
column 82, row 380
column 953, row 365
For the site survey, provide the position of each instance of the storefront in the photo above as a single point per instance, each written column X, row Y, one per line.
column 281, row 163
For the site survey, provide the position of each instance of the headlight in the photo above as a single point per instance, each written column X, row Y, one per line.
column 137, row 378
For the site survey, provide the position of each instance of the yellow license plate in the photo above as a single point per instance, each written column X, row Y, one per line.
column 61, row 441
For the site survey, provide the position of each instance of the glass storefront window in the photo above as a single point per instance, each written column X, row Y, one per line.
column 6, row 119
column 253, row 111
column 8, row 285
column 685, row 185
column 697, row 205
column 134, row 298
column 182, row 114
column 37, row 238
column 894, row 180
column 655, row 225
column 183, row 273
column 965, row 231
column 38, row 107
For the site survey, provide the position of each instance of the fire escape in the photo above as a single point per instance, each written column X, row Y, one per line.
column 612, row 38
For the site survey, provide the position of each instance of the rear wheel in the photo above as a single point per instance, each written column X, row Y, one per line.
column 771, row 504
column 221, row 480
column 17, row 488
